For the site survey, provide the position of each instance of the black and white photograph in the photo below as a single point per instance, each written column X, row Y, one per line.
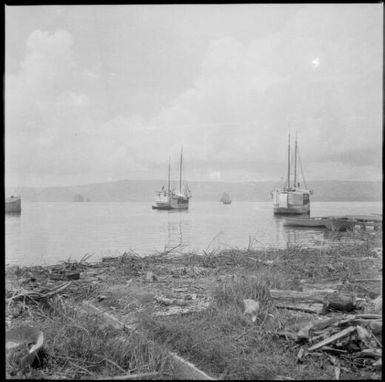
column 193, row 191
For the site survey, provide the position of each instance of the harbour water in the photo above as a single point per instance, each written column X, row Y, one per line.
column 47, row 233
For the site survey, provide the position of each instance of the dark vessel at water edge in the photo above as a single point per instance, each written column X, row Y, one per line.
column 13, row 204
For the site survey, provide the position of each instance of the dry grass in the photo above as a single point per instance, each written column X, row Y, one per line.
column 220, row 340
column 79, row 346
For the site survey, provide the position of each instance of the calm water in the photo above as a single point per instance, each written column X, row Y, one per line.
column 47, row 233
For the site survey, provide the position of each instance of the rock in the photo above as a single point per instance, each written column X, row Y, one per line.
column 376, row 252
column 192, row 296
column 23, row 343
column 164, row 300
column 150, row 276
column 72, row 275
column 251, row 308
column 377, row 303
column 378, row 364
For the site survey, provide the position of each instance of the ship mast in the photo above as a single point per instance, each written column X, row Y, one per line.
column 288, row 164
column 295, row 161
column 168, row 180
column 180, row 171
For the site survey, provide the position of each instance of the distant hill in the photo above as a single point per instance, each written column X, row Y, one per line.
column 144, row 190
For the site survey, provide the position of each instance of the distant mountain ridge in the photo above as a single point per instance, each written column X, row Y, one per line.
column 144, row 190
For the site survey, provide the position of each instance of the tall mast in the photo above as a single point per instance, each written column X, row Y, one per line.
column 288, row 164
column 168, row 180
column 295, row 161
column 180, row 171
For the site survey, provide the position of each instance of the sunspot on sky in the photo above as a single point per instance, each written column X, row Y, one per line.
column 315, row 63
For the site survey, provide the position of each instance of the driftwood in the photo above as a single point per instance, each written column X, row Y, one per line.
column 35, row 295
column 306, row 308
column 182, row 368
column 333, row 338
column 169, row 301
column 130, row 377
column 339, row 302
column 331, row 300
column 296, row 296
column 376, row 353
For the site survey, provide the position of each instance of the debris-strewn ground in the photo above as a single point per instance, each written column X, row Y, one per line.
column 319, row 313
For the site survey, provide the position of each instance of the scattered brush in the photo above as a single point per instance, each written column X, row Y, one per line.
column 78, row 347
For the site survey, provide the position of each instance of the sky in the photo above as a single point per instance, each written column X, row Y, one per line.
column 111, row 92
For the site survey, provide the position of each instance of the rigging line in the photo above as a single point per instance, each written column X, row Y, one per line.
column 300, row 163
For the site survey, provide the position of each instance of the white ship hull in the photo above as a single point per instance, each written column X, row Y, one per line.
column 291, row 202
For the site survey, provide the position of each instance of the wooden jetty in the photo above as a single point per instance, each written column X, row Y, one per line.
column 349, row 222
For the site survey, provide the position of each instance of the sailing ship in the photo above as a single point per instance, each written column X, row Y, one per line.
column 292, row 199
column 13, row 204
column 170, row 199
column 225, row 199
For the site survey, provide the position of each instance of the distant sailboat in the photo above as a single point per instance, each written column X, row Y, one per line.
column 292, row 199
column 170, row 199
column 225, row 199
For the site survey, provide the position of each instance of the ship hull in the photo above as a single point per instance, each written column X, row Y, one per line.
column 13, row 205
column 291, row 202
column 174, row 203
column 301, row 210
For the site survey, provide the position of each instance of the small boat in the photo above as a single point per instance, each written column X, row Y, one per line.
column 13, row 204
column 306, row 222
column 292, row 199
column 225, row 199
column 170, row 199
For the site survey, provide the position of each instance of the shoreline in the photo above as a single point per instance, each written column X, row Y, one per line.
column 192, row 305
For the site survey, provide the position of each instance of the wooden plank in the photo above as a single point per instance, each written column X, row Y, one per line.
column 309, row 295
column 333, row 338
column 182, row 368
column 306, row 308
column 130, row 377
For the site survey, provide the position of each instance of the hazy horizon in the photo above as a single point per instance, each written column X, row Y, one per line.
column 308, row 182
column 101, row 93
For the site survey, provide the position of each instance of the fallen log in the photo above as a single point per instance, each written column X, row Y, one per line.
column 310, row 308
column 339, row 302
column 333, row 338
column 130, row 377
column 182, row 368
column 375, row 353
column 296, row 296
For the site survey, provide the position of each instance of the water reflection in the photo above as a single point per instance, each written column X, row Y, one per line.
column 13, row 231
column 178, row 229
column 175, row 234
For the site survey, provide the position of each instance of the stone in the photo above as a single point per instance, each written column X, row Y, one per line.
column 150, row 276
column 251, row 308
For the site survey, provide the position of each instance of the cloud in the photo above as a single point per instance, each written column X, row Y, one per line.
column 232, row 118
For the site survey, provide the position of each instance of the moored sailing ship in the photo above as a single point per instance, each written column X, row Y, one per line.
column 292, row 199
column 170, row 199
